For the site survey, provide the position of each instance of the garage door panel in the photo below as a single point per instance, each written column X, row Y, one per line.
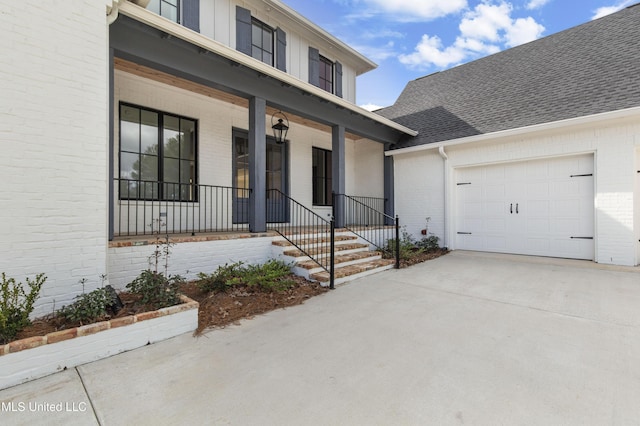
column 552, row 207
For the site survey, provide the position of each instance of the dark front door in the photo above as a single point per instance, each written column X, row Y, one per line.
column 276, row 179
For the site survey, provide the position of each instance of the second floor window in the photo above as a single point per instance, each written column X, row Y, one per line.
column 326, row 74
column 261, row 41
column 169, row 9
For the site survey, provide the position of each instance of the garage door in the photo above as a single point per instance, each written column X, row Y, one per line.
column 541, row 207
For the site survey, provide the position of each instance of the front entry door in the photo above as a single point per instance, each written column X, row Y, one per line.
column 276, row 179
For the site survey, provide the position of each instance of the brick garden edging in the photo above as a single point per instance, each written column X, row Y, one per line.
column 38, row 356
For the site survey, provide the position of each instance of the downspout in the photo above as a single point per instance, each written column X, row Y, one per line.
column 445, row 179
column 112, row 12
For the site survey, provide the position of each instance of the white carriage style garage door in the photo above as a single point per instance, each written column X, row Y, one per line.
column 539, row 207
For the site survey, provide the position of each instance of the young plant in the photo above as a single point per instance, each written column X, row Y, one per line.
column 269, row 276
column 16, row 305
column 91, row 307
column 155, row 289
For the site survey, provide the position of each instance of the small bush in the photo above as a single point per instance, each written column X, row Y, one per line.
column 156, row 290
column 270, row 276
column 430, row 243
column 408, row 246
column 16, row 305
column 223, row 278
column 90, row 307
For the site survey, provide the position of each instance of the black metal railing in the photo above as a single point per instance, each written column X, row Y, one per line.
column 178, row 208
column 368, row 223
column 310, row 233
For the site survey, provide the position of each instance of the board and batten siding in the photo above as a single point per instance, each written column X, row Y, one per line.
column 218, row 22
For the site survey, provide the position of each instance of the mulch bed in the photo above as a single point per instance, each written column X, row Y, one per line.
column 220, row 309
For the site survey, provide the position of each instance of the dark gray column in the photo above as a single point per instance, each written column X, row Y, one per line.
column 389, row 200
column 257, row 165
column 111, row 154
column 338, row 171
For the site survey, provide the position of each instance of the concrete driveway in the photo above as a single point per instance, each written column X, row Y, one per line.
column 468, row 338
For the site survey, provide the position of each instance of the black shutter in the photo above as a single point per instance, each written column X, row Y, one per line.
column 243, row 30
column 314, row 66
column 191, row 14
column 281, row 50
column 338, row 82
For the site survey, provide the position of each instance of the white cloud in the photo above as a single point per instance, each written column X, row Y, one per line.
column 378, row 53
column 536, row 4
column 608, row 10
column 482, row 31
column 416, row 10
column 522, row 30
column 370, row 107
column 430, row 51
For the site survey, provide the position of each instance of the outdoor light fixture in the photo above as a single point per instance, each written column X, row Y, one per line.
column 280, row 129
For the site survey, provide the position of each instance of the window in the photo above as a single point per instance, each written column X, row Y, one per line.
column 261, row 41
column 326, row 74
column 157, row 155
column 321, row 177
column 169, row 9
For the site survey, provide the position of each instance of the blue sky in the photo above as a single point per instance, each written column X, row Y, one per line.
column 412, row 38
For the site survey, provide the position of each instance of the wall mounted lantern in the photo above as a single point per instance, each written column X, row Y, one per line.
column 280, row 128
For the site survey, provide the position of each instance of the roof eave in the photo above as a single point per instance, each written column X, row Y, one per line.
column 502, row 134
column 176, row 30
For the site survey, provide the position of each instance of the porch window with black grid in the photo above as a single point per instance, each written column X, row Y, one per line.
column 169, row 9
column 262, row 41
column 157, row 155
column 321, row 176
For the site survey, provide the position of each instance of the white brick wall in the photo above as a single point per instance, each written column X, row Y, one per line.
column 419, row 186
column 53, row 132
column 187, row 259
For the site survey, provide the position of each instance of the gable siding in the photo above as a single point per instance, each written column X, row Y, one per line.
column 218, row 22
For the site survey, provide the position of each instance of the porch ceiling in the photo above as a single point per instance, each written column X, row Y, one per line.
column 172, row 80
column 155, row 49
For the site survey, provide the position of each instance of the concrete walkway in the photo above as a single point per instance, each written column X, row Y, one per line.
column 468, row 338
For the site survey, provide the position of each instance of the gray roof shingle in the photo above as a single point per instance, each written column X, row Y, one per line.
column 589, row 69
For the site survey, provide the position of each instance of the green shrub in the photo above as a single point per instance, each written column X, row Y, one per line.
column 16, row 305
column 430, row 243
column 269, row 276
column 408, row 246
column 223, row 278
column 89, row 307
column 156, row 290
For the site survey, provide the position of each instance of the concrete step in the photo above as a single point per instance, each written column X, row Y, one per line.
column 314, row 241
column 324, row 250
column 342, row 260
column 351, row 272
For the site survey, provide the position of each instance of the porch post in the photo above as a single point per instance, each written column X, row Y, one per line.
column 338, row 172
column 389, row 191
column 111, row 154
column 257, row 165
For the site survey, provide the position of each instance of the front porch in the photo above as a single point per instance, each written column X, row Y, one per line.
column 314, row 247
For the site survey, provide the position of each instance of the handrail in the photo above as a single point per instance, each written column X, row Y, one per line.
column 370, row 224
column 293, row 221
column 181, row 207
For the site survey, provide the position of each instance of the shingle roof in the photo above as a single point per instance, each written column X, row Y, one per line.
column 589, row 69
